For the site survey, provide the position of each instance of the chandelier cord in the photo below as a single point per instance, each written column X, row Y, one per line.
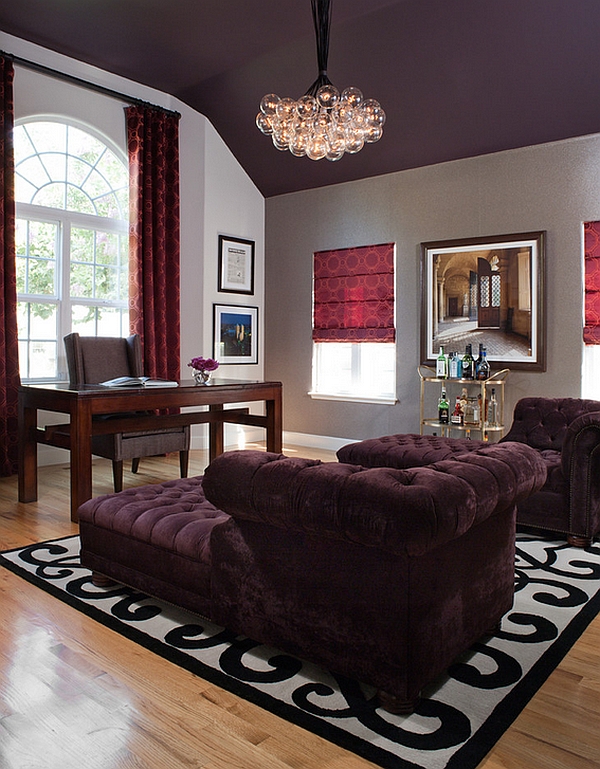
column 321, row 13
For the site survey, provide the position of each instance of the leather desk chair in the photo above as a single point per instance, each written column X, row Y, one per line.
column 91, row 360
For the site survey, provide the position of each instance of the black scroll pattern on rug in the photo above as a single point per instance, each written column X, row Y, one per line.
column 550, row 574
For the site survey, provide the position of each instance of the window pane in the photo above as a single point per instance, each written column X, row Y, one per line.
column 82, row 245
column 82, row 280
column 43, row 360
column 106, row 283
column 51, row 196
column 113, row 321
column 83, row 319
column 366, row 370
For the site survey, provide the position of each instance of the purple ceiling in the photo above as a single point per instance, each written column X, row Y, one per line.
column 456, row 78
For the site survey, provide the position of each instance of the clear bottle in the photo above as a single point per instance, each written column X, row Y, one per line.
column 483, row 367
column 441, row 365
column 467, row 363
column 443, row 408
column 453, row 365
column 492, row 410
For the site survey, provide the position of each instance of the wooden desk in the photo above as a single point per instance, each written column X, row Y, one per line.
column 83, row 403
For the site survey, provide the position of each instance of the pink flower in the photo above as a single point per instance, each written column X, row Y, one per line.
column 204, row 364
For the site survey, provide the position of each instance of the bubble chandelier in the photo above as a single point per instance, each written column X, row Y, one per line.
column 323, row 123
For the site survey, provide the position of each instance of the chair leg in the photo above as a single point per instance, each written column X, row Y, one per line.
column 184, row 458
column 118, row 474
column 576, row 541
column 135, row 465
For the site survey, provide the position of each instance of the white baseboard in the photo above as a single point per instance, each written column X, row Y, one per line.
column 325, row 442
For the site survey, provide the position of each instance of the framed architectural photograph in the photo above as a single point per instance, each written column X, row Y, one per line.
column 487, row 291
column 235, row 334
column 236, row 265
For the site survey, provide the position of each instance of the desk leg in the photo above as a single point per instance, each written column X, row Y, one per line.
column 81, row 456
column 28, row 469
column 274, row 425
column 216, row 443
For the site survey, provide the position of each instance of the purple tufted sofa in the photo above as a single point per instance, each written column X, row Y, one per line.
column 382, row 575
column 565, row 432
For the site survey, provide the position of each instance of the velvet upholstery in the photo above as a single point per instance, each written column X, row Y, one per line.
column 564, row 431
column 383, row 575
column 155, row 538
column 92, row 360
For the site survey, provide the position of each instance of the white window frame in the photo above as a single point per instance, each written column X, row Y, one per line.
column 357, row 389
column 66, row 220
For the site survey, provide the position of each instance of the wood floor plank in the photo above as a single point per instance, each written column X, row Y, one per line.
column 72, row 688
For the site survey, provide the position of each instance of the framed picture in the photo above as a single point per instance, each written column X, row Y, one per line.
column 487, row 291
column 236, row 265
column 235, row 334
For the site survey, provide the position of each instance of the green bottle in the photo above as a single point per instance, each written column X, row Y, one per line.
column 443, row 408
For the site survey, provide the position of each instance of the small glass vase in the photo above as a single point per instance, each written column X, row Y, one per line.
column 201, row 376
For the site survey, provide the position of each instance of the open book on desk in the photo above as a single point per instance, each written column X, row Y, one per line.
column 138, row 381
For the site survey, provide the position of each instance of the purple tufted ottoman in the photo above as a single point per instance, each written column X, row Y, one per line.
column 156, row 538
column 406, row 450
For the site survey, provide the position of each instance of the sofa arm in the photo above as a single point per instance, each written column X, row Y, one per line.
column 580, row 460
column 401, row 511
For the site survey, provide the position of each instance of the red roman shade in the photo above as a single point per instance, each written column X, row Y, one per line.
column 591, row 329
column 354, row 294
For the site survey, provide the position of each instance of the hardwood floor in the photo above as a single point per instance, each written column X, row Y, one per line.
column 74, row 694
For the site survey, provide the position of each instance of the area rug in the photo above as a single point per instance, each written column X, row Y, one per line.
column 457, row 722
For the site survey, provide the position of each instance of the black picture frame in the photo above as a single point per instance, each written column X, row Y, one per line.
column 236, row 265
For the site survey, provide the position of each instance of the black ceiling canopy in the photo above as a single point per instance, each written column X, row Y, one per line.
column 456, row 79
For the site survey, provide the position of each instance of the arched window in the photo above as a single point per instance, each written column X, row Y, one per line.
column 71, row 241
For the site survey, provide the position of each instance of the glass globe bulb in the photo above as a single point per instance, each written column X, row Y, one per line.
column 354, row 142
column 334, row 155
column 328, row 96
column 317, row 147
column 268, row 103
column 286, row 108
column 264, row 123
column 343, row 113
column 373, row 134
column 306, row 106
column 299, row 144
column 352, row 96
column 373, row 111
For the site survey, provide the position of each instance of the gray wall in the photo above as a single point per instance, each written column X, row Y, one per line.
column 553, row 187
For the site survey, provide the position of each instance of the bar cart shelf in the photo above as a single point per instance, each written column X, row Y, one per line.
column 479, row 425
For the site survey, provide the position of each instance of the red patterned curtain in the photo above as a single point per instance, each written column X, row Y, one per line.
column 354, row 294
column 154, row 291
column 9, row 351
column 591, row 329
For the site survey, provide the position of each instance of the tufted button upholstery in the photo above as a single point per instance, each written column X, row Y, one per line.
column 542, row 422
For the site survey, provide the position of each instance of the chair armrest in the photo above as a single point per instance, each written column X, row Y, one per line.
column 580, row 460
column 400, row 511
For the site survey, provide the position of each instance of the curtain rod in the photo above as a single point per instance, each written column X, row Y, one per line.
column 42, row 69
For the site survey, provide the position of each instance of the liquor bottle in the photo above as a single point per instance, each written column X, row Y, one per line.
column 443, row 408
column 478, row 361
column 441, row 367
column 483, row 367
column 456, row 418
column 492, row 412
column 453, row 365
column 467, row 363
